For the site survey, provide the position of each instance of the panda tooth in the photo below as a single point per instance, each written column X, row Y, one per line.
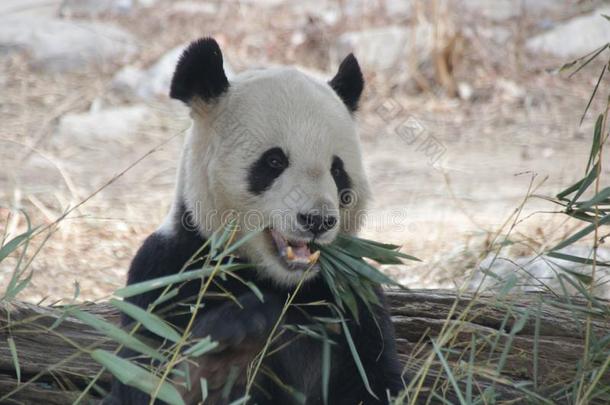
column 313, row 257
column 289, row 253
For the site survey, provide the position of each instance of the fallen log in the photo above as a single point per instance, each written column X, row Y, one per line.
column 513, row 348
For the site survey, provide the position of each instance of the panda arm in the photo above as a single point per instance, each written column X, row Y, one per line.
column 375, row 342
column 378, row 343
column 240, row 329
column 162, row 255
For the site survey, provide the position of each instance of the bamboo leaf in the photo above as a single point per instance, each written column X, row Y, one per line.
column 15, row 357
column 202, row 347
column 255, row 290
column 581, row 234
column 115, row 333
column 13, row 291
column 576, row 259
column 361, row 267
column 325, row 366
column 601, row 198
column 380, row 252
column 588, row 180
column 592, row 57
column 448, row 371
column 241, row 401
column 583, row 278
column 13, row 244
column 583, row 184
column 347, row 297
column 508, row 285
column 15, row 286
column 149, row 320
column 230, row 380
column 240, row 242
column 599, row 80
column 145, row 286
column 221, row 236
column 597, row 136
column 165, row 297
column 204, row 389
column 470, row 369
column 137, row 377
column 517, row 327
column 356, row 357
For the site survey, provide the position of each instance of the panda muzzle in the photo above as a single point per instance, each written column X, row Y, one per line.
column 294, row 252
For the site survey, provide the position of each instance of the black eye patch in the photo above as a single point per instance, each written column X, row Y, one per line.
column 266, row 169
column 342, row 180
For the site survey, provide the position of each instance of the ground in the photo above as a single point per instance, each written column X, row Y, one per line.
column 450, row 156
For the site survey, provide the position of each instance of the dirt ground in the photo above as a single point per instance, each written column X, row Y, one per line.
column 447, row 170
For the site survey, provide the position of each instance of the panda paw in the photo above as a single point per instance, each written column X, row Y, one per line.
column 231, row 324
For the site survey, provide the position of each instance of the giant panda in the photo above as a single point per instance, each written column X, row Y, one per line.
column 279, row 150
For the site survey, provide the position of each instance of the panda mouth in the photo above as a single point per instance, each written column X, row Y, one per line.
column 297, row 255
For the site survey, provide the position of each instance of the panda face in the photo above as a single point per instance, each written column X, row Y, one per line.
column 278, row 149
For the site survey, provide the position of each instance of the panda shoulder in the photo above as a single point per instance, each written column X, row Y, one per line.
column 164, row 252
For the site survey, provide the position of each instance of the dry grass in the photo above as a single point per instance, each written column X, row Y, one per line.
column 488, row 139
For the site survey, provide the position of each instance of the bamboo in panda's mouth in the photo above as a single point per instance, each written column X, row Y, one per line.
column 294, row 252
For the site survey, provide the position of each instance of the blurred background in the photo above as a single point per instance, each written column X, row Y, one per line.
column 464, row 118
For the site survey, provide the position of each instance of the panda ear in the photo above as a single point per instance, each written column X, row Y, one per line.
column 199, row 72
column 348, row 82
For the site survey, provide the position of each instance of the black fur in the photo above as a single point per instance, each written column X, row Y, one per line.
column 348, row 83
column 342, row 180
column 199, row 72
column 236, row 327
column 241, row 327
column 266, row 169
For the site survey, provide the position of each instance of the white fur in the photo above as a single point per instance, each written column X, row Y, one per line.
column 279, row 107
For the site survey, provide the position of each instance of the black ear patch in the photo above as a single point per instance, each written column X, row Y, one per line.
column 348, row 83
column 199, row 72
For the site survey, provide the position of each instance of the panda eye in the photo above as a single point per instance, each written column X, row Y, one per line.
column 268, row 167
column 276, row 161
column 343, row 182
column 336, row 169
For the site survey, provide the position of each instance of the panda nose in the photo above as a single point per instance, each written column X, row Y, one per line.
column 317, row 224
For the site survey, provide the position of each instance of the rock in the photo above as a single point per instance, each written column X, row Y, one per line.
column 154, row 81
column 510, row 89
column 496, row 10
column 465, row 91
column 195, row 7
column 91, row 8
column 126, row 80
column 330, row 11
column 105, row 124
column 400, row 8
column 263, row 3
column 575, row 37
column 157, row 79
column 535, row 273
column 498, row 35
column 388, row 47
column 327, row 11
column 36, row 8
column 393, row 8
column 59, row 46
column 501, row 10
